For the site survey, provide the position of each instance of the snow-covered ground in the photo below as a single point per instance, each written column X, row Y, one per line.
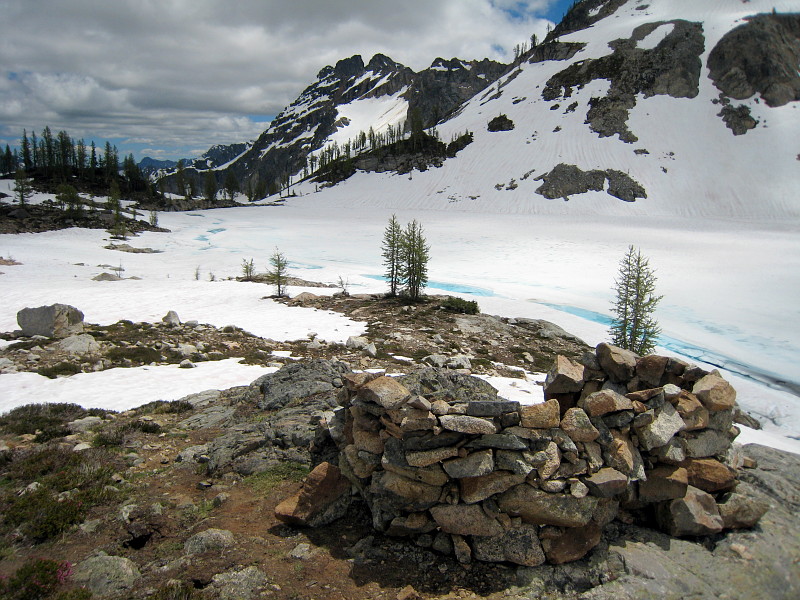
column 730, row 288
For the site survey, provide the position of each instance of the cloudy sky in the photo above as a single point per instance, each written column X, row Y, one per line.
column 170, row 78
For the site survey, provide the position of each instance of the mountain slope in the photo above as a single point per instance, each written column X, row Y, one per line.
column 347, row 99
column 670, row 107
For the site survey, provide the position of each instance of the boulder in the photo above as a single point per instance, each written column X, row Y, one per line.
column 705, row 443
column 564, row 377
column 106, row 576
column 171, row 318
column 53, row 321
column 741, row 508
column 323, row 498
column 473, row 465
column 537, row 507
column 466, row 424
column 240, row 583
column 384, row 391
column 604, row 402
column 606, row 483
column 694, row 514
column 618, row 363
column 476, row 489
column 541, row 416
column 79, row 344
column 662, row 429
column 465, row 519
column 519, row 545
column 715, row 393
column 299, row 380
column 709, row 475
column 692, row 411
column 573, row 544
column 578, row 427
column 650, row 369
column 210, row 539
column 665, row 482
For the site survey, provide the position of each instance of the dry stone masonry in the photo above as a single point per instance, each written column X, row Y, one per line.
column 438, row 457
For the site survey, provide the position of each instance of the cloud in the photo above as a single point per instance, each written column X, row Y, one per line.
column 184, row 73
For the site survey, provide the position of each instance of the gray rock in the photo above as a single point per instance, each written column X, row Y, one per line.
column 210, row 539
column 239, row 583
column 297, row 381
column 705, row 443
column 666, row 424
column 491, row 409
column 171, row 318
column 473, row 465
column 106, row 576
column 186, row 364
column 620, row 364
column 79, row 344
column 465, row 424
column 444, row 383
column 519, row 545
column 465, row 519
column 53, row 321
column 356, row 342
column 541, row 508
column 694, row 514
column 84, row 424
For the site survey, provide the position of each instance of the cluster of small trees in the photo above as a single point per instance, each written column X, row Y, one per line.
column 405, row 255
column 277, row 275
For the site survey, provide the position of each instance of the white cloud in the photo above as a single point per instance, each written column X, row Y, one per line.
column 184, row 73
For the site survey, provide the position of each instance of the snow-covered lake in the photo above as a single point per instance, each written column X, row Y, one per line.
column 730, row 288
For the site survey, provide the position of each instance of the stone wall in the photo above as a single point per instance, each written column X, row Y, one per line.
column 438, row 457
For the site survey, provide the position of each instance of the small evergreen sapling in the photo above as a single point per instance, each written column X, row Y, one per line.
column 633, row 326
column 277, row 275
column 392, row 250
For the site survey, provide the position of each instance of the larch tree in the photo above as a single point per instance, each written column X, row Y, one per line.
column 634, row 326
column 278, row 273
column 392, row 254
column 22, row 187
column 210, row 187
column 415, row 255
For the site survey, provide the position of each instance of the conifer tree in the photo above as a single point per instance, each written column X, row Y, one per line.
column 415, row 255
column 210, row 187
column 392, row 253
column 22, row 187
column 277, row 275
column 26, row 151
column 231, row 184
column 633, row 326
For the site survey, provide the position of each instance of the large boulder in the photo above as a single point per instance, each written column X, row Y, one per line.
column 299, row 380
column 80, row 344
column 53, row 321
column 106, row 576
column 694, row 514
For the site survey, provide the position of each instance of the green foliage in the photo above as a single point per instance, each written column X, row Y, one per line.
column 633, row 325
column 210, row 187
column 459, row 305
column 22, row 187
column 38, row 579
column 501, row 123
column 391, row 252
column 137, row 354
column 69, row 200
column 62, row 368
column 415, row 256
column 248, row 269
column 174, row 590
column 69, row 483
column 266, row 481
column 277, row 276
column 32, row 417
column 164, row 407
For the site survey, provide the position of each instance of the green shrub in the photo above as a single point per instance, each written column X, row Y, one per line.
column 63, row 368
column 40, row 515
column 174, row 590
column 459, row 305
column 163, row 407
column 33, row 417
column 138, row 354
column 37, row 579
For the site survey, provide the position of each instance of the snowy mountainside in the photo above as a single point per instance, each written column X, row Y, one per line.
column 630, row 107
column 349, row 98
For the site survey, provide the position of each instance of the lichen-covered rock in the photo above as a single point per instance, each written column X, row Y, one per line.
column 665, row 482
column 573, row 544
column 604, row 402
column 210, row 539
column 607, row 483
column 519, row 545
column 384, row 391
column 564, row 377
column 107, row 576
column 578, row 427
column 618, row 363
column 541, row 508
column 540, row 416
column 465, row 519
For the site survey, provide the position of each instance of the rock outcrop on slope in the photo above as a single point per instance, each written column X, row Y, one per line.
column 438, row 457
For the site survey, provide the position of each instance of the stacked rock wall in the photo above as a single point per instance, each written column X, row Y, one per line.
column 439, row 457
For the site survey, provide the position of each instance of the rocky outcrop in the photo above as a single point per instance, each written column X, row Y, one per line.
column 566, row 180
column 429, row 452
column 671, row 68
column 759, row 57
column 53, row 321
